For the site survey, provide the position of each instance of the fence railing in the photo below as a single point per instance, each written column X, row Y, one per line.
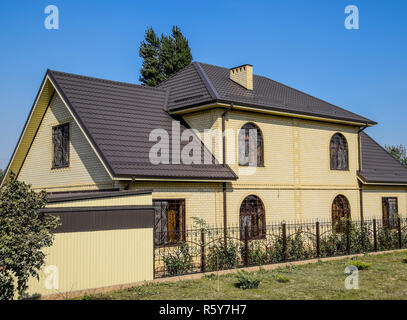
column 211, row 249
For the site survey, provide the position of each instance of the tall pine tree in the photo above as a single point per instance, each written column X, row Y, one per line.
column 151, row 74
column 163, row 57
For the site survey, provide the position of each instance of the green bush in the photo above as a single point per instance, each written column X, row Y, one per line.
column 360, row 265
column 179, row 261
column 248, row 280
column 282, row 279
column 221, row 258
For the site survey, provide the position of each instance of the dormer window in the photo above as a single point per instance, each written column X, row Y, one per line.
column 60, row 142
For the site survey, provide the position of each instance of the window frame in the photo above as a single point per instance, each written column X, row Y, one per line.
column 337, row 223
column 330, row 152
column 68, row 146
column 260, row 143
column 182, row 232
column 386, row 223
column 261, row 231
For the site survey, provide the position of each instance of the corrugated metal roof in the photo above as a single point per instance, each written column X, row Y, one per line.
column 118, row 118
column 201, row 83
column 379, row 166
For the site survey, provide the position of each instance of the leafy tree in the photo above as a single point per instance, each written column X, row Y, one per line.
column 151, row 74
column 24, row 232
column 163, row 57
column 399, row 152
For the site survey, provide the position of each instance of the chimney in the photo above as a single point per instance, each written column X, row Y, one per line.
column 243, row 75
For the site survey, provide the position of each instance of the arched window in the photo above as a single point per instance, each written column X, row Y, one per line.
column 252, row 216
column 250, row 146
column 339, row 152
column 340, row 212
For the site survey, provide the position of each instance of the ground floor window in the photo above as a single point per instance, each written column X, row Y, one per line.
column 252, row 215
column 390, row 212
column 340, row 212
column 169, row 221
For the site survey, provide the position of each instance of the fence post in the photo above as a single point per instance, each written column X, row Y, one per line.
column 347, row 236
column 318, row 238
column 284, row 234
column 399, row 232
column 246, row 246
column 202, row 251
column 374, row 235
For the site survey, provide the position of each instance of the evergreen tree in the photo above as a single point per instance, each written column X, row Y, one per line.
column 151, row 74
column 163, row 57
column 175, row 53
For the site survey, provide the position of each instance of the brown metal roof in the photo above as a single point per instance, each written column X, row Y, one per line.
column 201, row 83
column 379, row 166
column 118, row 118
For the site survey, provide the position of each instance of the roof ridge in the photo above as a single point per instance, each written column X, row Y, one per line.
column 384, row 149
column 291, row 88
column 206, row 81
column 73, row 75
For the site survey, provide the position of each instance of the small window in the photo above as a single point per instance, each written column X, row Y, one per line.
column 252, row 216
column 340, row 212
column 390, row 212
column 339, row 152
column 169, row 221
column 250, row 146
column 60, row 141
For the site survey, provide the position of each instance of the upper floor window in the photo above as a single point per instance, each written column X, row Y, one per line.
column 60, row 141
column 250, row 146
column 252, row 216
column 339, row 152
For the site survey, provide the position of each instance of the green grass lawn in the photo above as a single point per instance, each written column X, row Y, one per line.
column 386, row 278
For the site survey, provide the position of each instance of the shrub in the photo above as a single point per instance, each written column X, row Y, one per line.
column 360, row 265
column 220, row 258
column 282, row 279
column 24, row 232
column 248, row 280
column 178, row 261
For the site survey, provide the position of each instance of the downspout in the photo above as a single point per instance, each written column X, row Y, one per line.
column 224, row 190
column 360, row 169
column 133, row 180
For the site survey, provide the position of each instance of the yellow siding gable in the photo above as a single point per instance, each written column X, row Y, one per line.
column 85, row 170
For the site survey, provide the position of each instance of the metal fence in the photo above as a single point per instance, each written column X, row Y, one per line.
column 210, row 249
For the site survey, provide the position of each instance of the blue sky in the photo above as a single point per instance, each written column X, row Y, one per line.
column 303, row 44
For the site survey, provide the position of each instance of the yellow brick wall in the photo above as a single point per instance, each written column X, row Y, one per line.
column 372, row 200
column 85, row 170
column 203, row 200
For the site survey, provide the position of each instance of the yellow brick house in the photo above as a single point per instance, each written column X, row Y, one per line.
column 273, row 154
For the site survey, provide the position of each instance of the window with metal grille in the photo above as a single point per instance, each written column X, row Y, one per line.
column 390, row 212
column 339, row 152
column 252, row 216
column 340, row 212
column 250, row 146
column 169, row 226
column 60, row 141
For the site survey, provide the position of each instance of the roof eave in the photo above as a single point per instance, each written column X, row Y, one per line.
column 266, row 109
